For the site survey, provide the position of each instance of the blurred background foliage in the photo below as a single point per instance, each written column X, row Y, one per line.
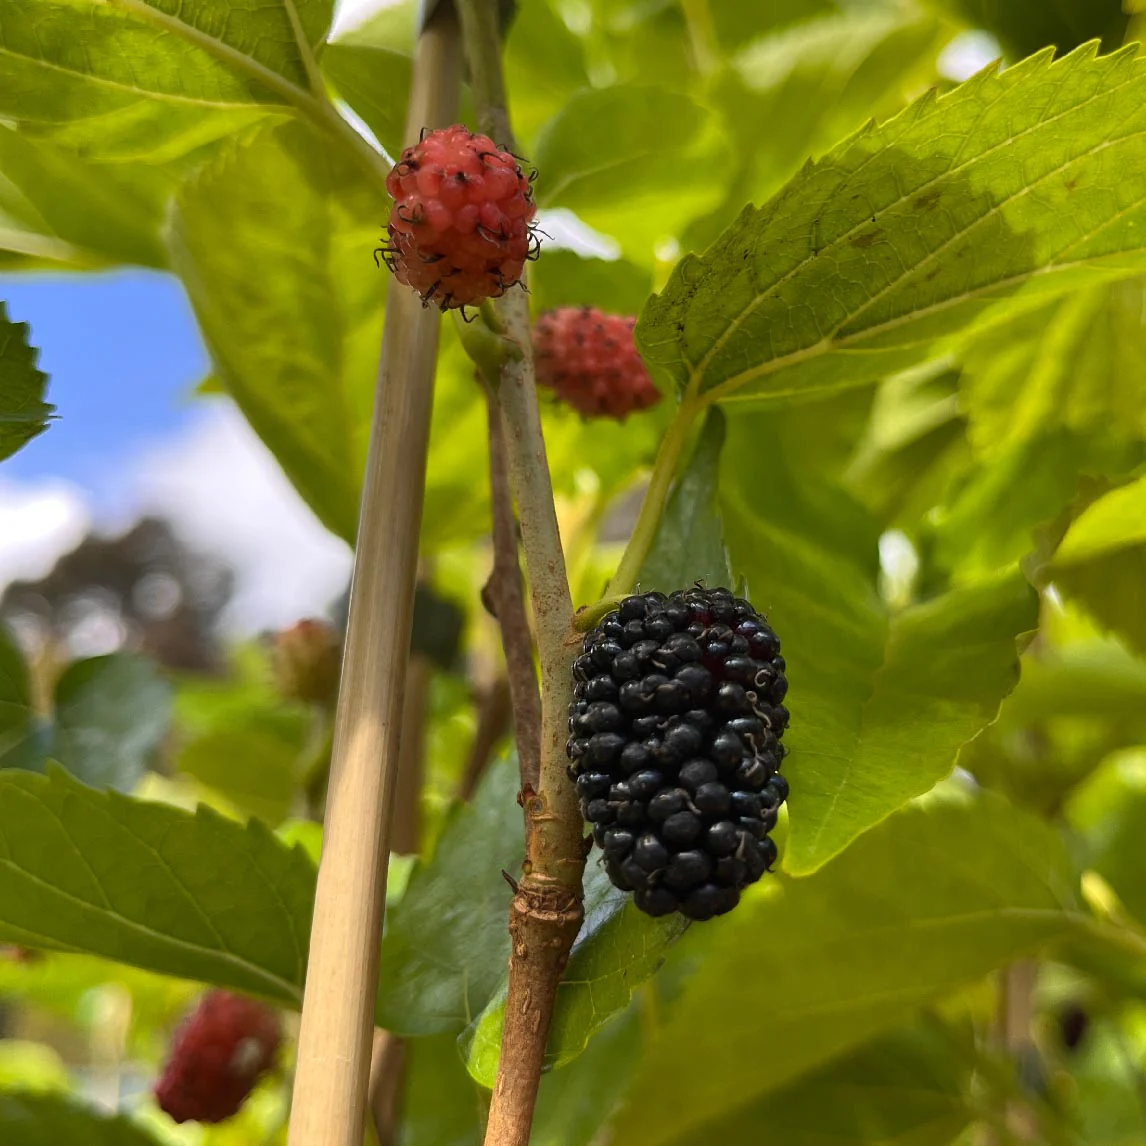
column 894, row 528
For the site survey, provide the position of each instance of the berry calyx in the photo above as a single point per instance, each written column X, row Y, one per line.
column 675, row 731
column 588, row 358
column 461, row 227
column 216, row 1057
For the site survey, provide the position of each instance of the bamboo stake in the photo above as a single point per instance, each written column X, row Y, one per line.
column 330, row 1092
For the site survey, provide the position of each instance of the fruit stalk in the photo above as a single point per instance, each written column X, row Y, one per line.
column 546, row 912
column 330, row 1092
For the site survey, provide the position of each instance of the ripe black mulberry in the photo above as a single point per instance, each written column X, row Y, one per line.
column 675, row 732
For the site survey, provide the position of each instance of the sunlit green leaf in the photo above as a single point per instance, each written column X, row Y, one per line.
column 53, row 193
column 564, row 278
column 812, row 83
column 881, row 701
column 376, row 84
column 192, row 895
column 933, row 898
column 606, row 156
column 273, row 242
column 23, row 411
column 1013, row 187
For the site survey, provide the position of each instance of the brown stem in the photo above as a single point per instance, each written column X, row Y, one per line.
column 387, row 1067
column 406, row 832
column 546, row 912
column 332, row 1074
column 505, row 599
column 494, row 713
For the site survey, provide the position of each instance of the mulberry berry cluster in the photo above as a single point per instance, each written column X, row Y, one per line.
column 675, row 743
column 589, row 360
column 216, row 1057
column 460, row 230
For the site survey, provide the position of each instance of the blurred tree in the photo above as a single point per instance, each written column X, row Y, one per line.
column 144, row 589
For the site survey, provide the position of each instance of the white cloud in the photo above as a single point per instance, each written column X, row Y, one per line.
column 39, row 521
column 224, row 493
column 350, row 13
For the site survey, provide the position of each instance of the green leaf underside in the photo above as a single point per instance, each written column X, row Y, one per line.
column 881, row 702
column 53, row 1120
column 23, row 736
column 273, row 244
column 689, row 545
column 192, row 895
column 375, row 83
column 618, row 948
column 906, row 1088
column 1027, row 182
column 62, row 61
column 1101, row 561
column 23, row 411
column 933, row 898
column 112, row 714
column 446, row 944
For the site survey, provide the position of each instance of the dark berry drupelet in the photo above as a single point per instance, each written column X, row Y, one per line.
column 675, row 731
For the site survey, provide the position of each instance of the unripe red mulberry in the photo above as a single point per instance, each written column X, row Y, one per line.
column 588, row 358
column 307, row 659
column 216, row 1057
column 460, row 230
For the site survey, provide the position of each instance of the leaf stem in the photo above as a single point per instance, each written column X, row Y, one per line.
column 546, row 912
column 664, row 468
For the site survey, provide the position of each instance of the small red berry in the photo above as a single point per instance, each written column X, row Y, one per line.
column 590, row 360
column 307, row 660
column 460, row 230
column 216, row 1057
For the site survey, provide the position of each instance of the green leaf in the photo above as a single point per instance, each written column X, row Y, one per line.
column 564, row 278
column 23, row 411
column 933, row 898
column 1115, row 842
column 193, row 895
column 23, row 735
column 1025, row 26
column 689, row 545
column 62, row 60
column 91, row 208
column 376, row 84
column 606, row 156
column 562, row 1116
column 112, row 714
column 1102, row 561
column 447, row 942
column 251, row 754
column 1078, row 364
column 813, row 84
column 52, row 1120
column 544, row 66
column 440, row 1104
column 881, row 701
column 906, row 1088
column 273, row 242
column 617, row 949
column 1012, row 188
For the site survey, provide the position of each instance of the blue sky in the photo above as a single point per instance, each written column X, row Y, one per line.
column 122, row 353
